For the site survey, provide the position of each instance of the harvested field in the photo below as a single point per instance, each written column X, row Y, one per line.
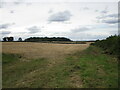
column 41, row 50
column 48, row 65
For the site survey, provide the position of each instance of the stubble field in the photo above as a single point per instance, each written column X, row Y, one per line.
column 48, row 65
column 41, row 50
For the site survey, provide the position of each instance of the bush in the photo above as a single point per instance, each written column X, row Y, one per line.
column 110, row 45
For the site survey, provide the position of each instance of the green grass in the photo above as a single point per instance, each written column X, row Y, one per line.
column 8, row 58
column 97, row 69
column 87, row 69
column 14, row 69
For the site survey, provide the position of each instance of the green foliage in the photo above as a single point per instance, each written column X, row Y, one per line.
column 38, row 39
column 110, row 45
column 8, row 39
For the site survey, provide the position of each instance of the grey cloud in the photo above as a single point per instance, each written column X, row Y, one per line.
column 113, row 15
column 5, row 26
column 12, row 11
column 110, row 21
column 80, row 29
column 99, row 17
column 60, row 17
column 50, row 11
column 96, row 10
column 5, row 32
column 5, row 3
column 18, row 2
column 108, row 16
column 104, row 11
column 34, row 29
column 86, row 8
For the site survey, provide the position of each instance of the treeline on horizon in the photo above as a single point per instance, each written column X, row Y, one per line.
column 36, row 39
column 110, row 45
column 39, row 39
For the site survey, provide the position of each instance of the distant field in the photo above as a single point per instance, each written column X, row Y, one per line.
column 47, row 65
column 41, row 50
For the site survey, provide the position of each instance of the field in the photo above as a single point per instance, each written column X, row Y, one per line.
column 42, row 50
column 47, row 65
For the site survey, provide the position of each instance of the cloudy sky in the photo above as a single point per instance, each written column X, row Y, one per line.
column 75, row 19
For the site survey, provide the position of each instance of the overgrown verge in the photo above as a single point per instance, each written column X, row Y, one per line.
column 96, row 70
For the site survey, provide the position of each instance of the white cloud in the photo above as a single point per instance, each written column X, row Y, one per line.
column 63, row 0
column 28, row 18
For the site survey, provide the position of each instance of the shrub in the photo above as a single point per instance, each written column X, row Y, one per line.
column 110, row 45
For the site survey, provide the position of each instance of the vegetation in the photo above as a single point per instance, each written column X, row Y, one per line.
column 38, row 39
column 96, row 70
column 10, row 39
column 87, row 69
column 20, row 39
column 61, row 66
column 110, row 45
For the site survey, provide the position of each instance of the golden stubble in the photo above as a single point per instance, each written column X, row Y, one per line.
column 41, row 50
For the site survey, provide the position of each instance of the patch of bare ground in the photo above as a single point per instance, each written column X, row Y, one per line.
column 75, row 81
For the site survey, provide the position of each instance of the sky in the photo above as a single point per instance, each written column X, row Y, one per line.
column 74, row 19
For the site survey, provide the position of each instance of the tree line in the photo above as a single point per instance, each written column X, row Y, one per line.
column 37, row 39
column 10, row 39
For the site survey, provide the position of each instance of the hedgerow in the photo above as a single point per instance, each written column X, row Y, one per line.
column 110, row 45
